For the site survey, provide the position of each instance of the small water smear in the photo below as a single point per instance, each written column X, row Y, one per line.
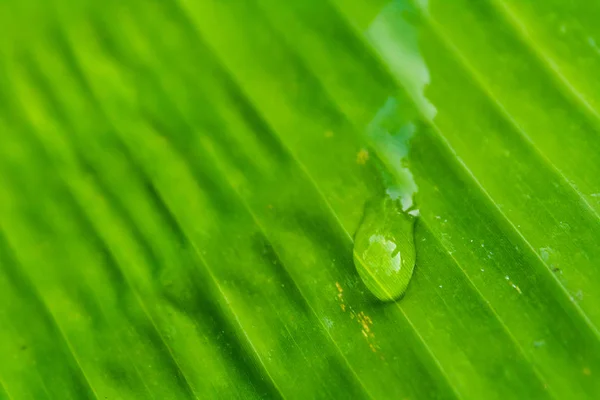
column 593, row 44
column 394, row 34
column 389, row 135
column 384, row 248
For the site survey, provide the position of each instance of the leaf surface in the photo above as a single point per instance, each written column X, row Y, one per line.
column 181, row 182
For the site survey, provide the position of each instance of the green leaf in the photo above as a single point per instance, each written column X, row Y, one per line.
column 181, row 183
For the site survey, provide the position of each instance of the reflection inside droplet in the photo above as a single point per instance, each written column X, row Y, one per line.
column 384, row 248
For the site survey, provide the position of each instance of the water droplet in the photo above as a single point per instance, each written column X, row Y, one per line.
column 384, row 248
column 546, row 253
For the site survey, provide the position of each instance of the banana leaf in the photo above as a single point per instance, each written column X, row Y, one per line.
column 181, row 183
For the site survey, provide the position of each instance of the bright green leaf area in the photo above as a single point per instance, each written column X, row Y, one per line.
column 181, row 182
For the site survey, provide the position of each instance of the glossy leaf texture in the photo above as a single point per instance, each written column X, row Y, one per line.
column 181, row 182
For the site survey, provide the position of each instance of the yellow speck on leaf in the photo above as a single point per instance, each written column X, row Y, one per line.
column 365, row 322
column 587, row 371
column 328, row 134
column 340, row 296
column 362, row 157
column 373, row 349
